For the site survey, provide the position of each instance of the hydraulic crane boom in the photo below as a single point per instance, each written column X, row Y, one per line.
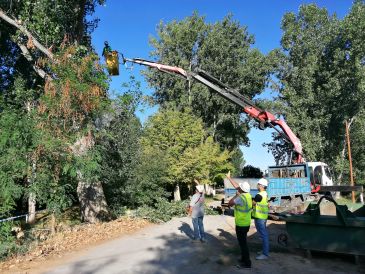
column 265, row 118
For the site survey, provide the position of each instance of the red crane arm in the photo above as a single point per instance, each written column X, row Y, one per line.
column 263, row 117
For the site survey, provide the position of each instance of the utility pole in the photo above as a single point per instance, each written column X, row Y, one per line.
column 350, row 159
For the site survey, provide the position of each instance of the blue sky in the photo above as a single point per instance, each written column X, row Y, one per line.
column 127, row 25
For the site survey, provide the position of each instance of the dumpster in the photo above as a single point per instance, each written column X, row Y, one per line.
column 343, row 233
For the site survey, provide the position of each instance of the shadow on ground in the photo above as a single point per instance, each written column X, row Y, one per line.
column 169, row 250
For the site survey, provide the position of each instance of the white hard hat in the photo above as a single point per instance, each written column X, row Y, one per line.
column 263, row 182
column 245, row 186
column 200, row 188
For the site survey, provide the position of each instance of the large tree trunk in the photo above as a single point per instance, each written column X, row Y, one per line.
column 31, row 208
column 93, row 204
column 177, row 196
column 91, row 196
column 79, row 30
column 31, row 178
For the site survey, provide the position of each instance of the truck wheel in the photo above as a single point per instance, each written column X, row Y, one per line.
column 283, row 239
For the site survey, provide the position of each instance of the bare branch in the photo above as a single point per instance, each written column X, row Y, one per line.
column 25, row 50
column 26, row 32
column 29, row 57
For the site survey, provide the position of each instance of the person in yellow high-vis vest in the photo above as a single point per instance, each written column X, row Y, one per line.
column 242, row 203
column 260, row 214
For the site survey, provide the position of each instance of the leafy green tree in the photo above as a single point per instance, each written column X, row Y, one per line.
column 206, row 162
column 172, row 132
column 304, row 39
column 321, row 73
column 222, row 49
column 178, row 141
column 150, row 179
column 14, row 137
column 251, row 172
column 67, row 111
column 357, row 137
column 237, row 161
column 118, row 141
column 56, row 24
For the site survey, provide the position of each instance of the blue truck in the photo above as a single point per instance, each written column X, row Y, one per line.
column 289, row 185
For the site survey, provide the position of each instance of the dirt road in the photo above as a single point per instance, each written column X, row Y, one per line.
column 167, row 249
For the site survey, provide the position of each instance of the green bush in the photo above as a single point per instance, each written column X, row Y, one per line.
column 163, row 210
column 118, row 211
column 210, row 211
column 8, row 242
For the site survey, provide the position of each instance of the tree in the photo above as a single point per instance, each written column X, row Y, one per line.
column 172, row 132
column 67, row 111
column 222, row 49
column 251, row 172
column 118, row 143
column 21, row 58
column 321, row 73
column 206, row 162
column 178, row 140
column 237, row 161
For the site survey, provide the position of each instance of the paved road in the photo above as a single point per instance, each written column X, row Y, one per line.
column 167, row 249
column 161, row 249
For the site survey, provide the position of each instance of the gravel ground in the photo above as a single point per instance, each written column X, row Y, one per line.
column 139, row 247
column 167, row 248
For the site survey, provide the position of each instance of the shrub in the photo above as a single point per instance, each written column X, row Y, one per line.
column 8, row 242
column 163, row 210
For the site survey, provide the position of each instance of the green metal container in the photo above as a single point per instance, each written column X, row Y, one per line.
column 343, row 233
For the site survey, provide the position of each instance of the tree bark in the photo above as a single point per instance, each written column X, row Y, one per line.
column 91, row 196
column 31, row 178
column 31, row 208
column 53, row 223
column 93, row 204
column 177, row 196
column 80, row 22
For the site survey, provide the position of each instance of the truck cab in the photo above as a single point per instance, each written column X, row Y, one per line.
column 320, row 174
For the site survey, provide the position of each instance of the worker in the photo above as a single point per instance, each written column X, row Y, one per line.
column 196, row 211
column 260, row 214
column 106, row 49
column 242, row 203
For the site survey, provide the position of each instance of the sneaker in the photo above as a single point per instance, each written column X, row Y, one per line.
column 259, row 252
column 203, row 240
column 262, row 257
column 194, row 240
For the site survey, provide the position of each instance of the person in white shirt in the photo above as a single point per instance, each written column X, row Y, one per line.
column 196, row 211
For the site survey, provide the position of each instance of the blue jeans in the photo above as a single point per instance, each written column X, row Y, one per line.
column 264, row 235
column 198, row 228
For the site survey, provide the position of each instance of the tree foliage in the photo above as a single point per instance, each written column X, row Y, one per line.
column 179, row 143
column 251, row 172
column 118, row 143
column 224, row 50
column 41, row 119
column 321, row 73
